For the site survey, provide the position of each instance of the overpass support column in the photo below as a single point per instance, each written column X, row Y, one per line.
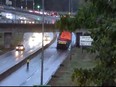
column 7, row 39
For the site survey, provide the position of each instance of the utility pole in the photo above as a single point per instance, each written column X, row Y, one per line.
column 42, row 57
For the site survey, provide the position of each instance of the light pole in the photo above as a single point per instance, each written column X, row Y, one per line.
column 1, row 2
column 69, row 7
column 26, row 4
column 33, row 4
column 42, row 57
column 15, row 12
column 22, row 4
column 38, row 7
column 15, row 4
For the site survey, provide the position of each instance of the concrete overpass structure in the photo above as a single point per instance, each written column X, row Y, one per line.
column 8, row 29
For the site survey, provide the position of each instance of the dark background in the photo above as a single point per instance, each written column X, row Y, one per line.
column 50, row 5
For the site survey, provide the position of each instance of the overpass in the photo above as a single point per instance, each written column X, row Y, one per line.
column 27, row 11
column 9, row 27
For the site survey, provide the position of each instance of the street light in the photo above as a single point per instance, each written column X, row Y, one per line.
column 33, row 4
column 15, row 3
column 1, row 2
column 38, row 7
column 26, row 4
column 15, row 12
column 22, row 4
column 69, row 7
column 42, row 57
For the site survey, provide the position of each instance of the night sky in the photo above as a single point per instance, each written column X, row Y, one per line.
column 51, row 5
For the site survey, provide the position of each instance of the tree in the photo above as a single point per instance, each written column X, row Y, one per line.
column 98, row 16
column 66, row 22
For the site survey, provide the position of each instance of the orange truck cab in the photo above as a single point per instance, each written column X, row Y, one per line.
column 64, row 40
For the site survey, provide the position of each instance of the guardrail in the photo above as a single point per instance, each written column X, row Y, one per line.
column 26, row 11
column 25, row 21
column 21, row 21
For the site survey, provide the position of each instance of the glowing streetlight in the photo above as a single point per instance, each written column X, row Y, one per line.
column 38, row 7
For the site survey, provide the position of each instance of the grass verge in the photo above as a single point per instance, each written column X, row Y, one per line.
column 76, row 60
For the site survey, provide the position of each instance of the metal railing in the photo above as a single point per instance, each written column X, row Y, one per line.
column 24, row 21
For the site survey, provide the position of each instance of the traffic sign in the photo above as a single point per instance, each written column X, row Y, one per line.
column 85, row 41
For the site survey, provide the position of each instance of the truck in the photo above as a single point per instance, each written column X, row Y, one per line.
column 64, row 40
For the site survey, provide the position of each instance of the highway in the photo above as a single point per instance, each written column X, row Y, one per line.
column 31, row 45
column 52, row 60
